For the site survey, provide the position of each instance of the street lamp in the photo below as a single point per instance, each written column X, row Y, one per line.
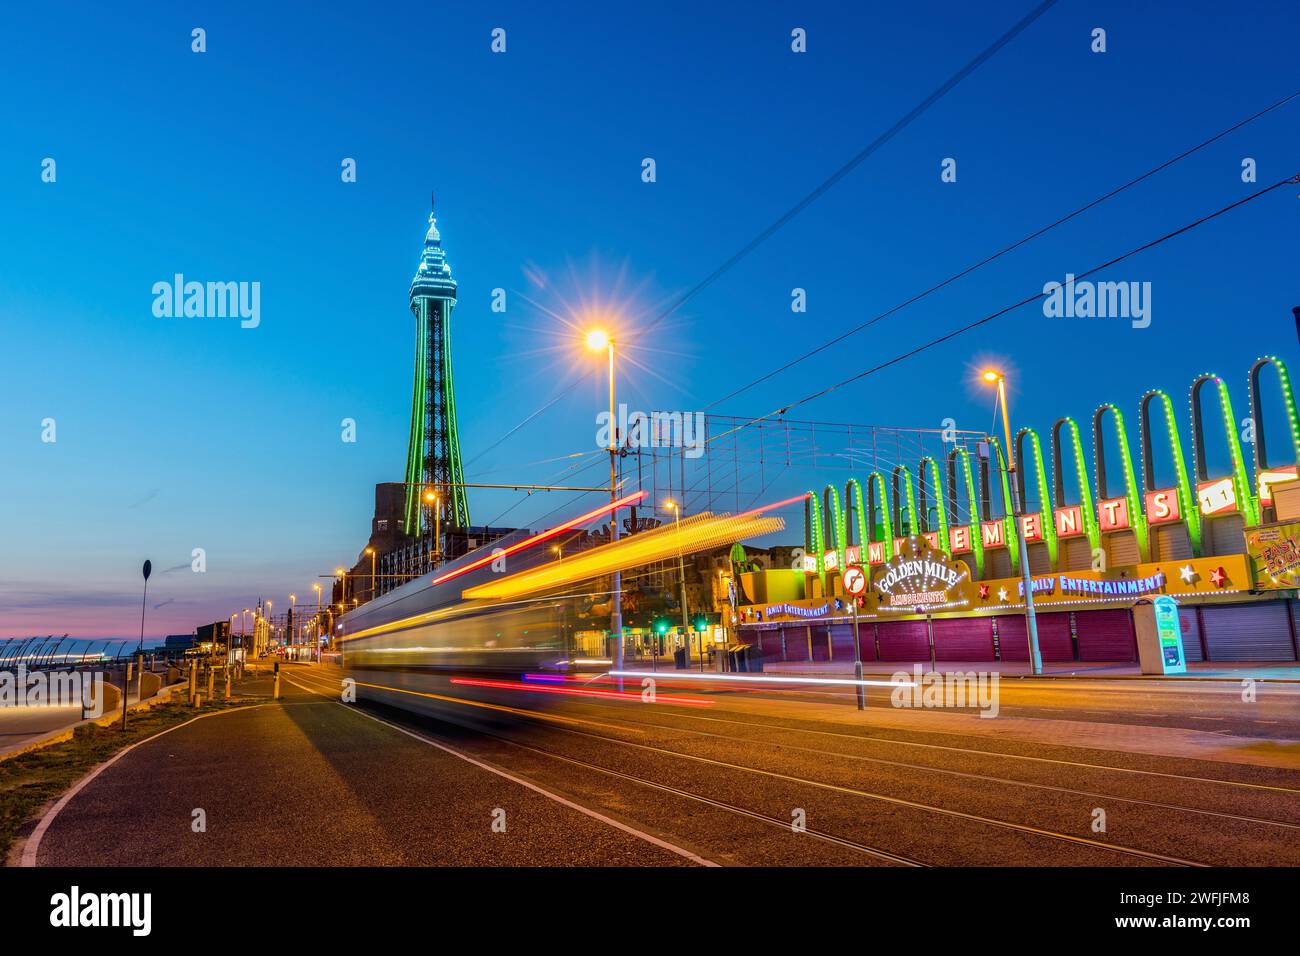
column 371, row 552
column 431, row 496
column 598, row 340
column 558, row 552
column 293, row 605
column 681, row 570
column 315, row 634
column 993, row 376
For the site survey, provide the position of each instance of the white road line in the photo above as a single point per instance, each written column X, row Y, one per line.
column 33, row 844
column 640, row 834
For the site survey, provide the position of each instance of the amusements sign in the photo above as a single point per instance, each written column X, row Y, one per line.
column 1275, row 551
column 920, row 578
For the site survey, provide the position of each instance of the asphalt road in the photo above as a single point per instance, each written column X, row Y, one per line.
column 1095, row 773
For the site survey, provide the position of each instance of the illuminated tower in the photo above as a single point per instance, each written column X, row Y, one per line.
column 433, row 455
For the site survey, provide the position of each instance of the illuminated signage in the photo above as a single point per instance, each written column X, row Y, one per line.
column 1069, row 521
column 876, row 552
column 1112, row 514
column 920, row 577
column 831, row 560
column 794, row 610
column 1217, row 497
column 1113, row 588
column 1271, row 477
column 1276, row 553
column 960, row 537
column 1162, row 506
column 1033, row 526
column 993, row 534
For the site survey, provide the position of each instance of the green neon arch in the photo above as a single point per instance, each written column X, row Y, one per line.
column 939, row 509
column 1137, row 517
column 1047, row 518
column 1187, row 502
column 853, row 499
column 1247, row 502
column 831, row 509
column 1257, row 411
column 812, row 522
column 976, row 539
column 1008, row 523
column 876, row 483
column 1086, row 508
column 908, row 500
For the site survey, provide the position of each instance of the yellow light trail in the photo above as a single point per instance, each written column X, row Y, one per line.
column 699, row 532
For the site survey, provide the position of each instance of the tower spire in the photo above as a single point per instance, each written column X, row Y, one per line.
column 433, row 461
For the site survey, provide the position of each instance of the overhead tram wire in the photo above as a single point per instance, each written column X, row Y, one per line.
column 997, row 255
column 1291, row 180
column 947, row 86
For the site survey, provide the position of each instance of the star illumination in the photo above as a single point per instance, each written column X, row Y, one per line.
column 1188, row 573
column 1002, row 594
column 1219, row 577
column 984, row 590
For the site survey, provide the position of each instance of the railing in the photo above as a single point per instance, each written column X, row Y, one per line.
column 65, row 652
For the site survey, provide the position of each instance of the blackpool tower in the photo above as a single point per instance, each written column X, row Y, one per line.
column 433, row 465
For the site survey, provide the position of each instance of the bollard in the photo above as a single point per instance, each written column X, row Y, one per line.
column 227, row 682
column 212, row 676
column 277, row 680
column 139, row 677
column 198, row 701
column 194, row 679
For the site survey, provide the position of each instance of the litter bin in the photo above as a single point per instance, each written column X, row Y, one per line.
column 752, row 658
column 679, row 658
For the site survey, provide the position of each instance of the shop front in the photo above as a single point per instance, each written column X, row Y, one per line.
column 922, row 605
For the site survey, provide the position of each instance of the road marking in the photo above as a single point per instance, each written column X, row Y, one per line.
column 33, row 843
column 586, row 811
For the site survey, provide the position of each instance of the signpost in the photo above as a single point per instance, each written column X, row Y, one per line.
column 855, row 583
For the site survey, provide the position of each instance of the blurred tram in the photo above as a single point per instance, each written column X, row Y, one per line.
column 421, row 647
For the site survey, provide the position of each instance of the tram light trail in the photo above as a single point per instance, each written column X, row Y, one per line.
column 541, row 536
column 696, row 533
column 581, row 692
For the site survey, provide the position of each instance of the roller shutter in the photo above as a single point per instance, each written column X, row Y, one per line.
column 867, row 641
column 1040, row 558
column 770, row 643
column 1105, row 635
column 841, row 642
column 1076, row 554
column 820, row 643
column 1054, row 642
column 1169, row 542
column 796, row 643
column 997, row 564
column 963, row 639
column 1248, row 632
column 1122, row 549
column 1190, row 623
column 1223, row 535
column 903, row 641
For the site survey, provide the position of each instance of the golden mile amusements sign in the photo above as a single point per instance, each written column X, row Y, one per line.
column 921, row 579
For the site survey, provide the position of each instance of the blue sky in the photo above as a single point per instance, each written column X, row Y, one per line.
column 182, row 433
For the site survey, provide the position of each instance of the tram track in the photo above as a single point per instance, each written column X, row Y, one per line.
column 1033, row 832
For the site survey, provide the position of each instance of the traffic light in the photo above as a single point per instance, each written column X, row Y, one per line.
column 661, row 627
column 701, row 625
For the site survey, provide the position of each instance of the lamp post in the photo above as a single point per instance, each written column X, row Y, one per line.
column 316, row 635
column 371, row 552
column 431, row 496
column 598, row 340
column 1031, row 622
column 293, row 619
column 681, row 572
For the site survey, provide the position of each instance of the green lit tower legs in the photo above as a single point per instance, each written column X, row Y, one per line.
column 433, row 452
